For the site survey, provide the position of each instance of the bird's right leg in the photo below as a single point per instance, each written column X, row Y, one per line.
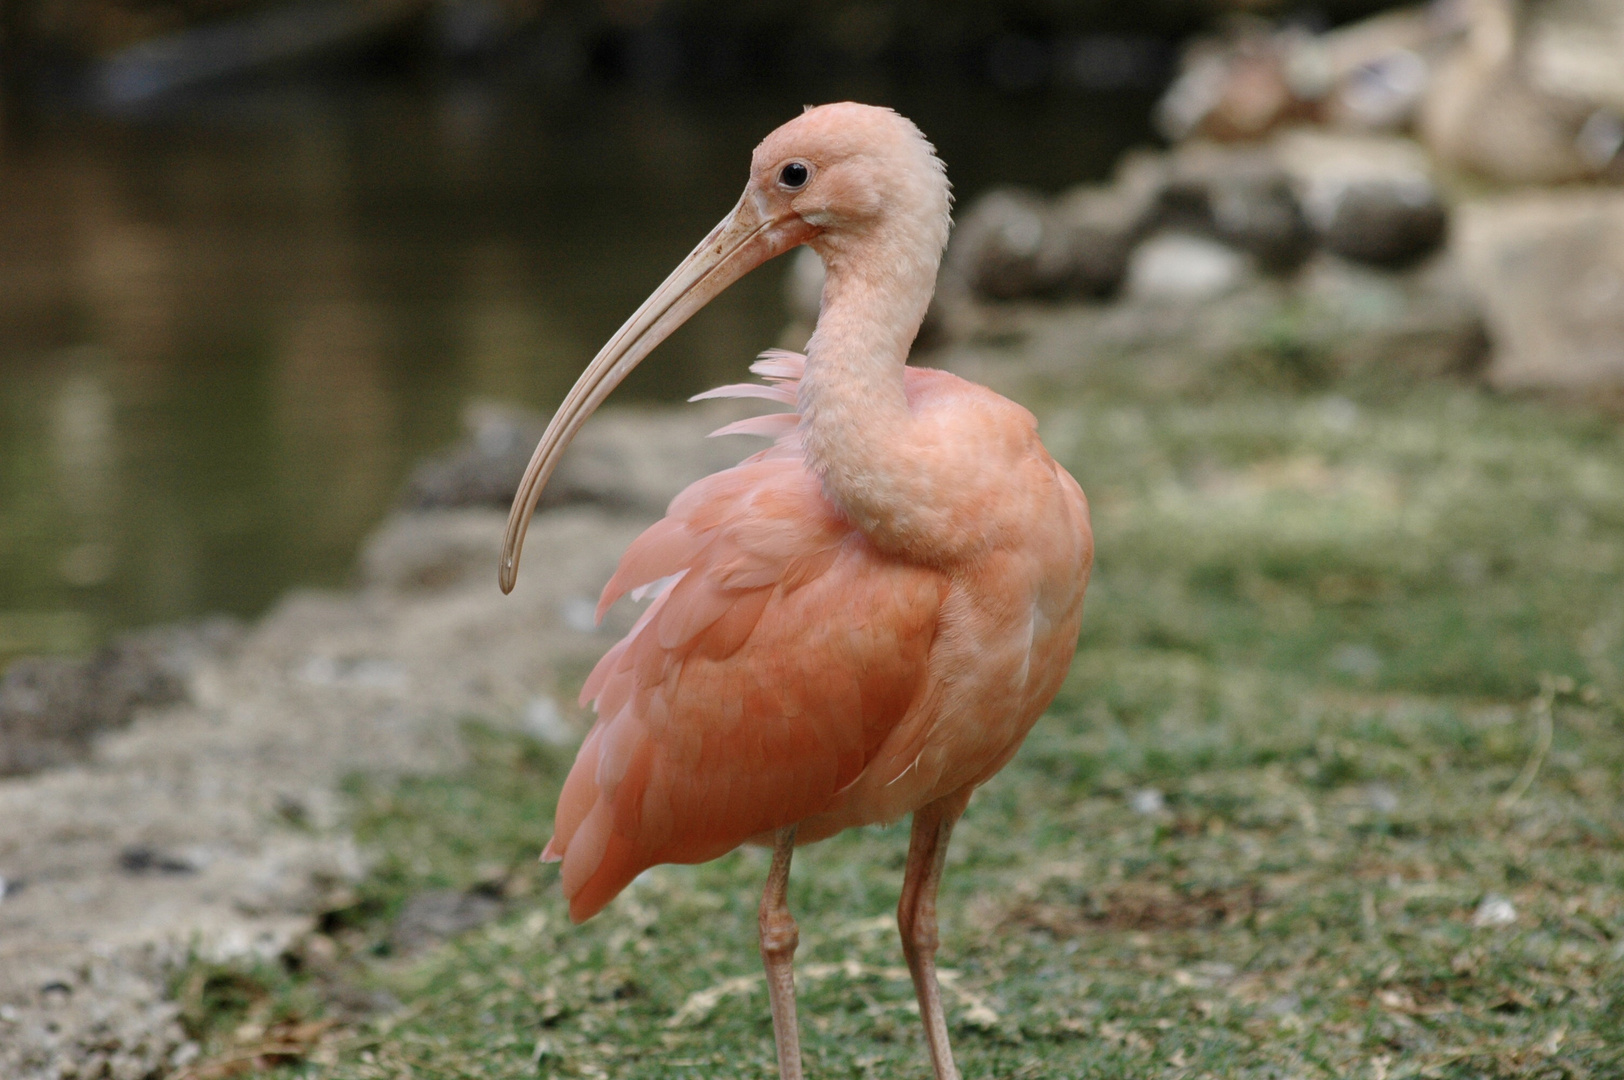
column 779, row 937
column 916, row 919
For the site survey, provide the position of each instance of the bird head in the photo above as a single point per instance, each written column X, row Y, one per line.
column 853, row 174
column 842, row 177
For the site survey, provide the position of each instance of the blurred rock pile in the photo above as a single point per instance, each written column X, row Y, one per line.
column 1370, row 199
column 1402, row 146
column 1515, row 91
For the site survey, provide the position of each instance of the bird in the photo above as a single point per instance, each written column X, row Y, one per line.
column 861, row 621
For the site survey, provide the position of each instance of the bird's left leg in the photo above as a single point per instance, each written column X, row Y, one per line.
column 779, row 936
column 916, row 919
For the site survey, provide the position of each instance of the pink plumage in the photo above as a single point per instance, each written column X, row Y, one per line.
column 786, row 675
column 860, row 622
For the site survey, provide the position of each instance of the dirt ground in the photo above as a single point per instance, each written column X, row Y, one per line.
column 213, row 828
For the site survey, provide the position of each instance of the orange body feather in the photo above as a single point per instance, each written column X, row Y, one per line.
column 860, row 622
column 791, row 672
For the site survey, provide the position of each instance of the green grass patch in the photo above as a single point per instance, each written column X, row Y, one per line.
column 1333, row 791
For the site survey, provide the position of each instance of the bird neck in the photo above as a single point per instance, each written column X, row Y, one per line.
column 855, row 420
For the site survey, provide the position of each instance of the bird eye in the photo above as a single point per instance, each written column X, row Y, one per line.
column 793, row 175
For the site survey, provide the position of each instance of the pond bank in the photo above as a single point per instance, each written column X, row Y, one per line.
column 214, row 828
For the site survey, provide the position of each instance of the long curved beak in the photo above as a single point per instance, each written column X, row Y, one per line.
column 743, row 240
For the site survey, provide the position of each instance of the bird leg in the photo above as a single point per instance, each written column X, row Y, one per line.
column 779, row 937
column 916, row 919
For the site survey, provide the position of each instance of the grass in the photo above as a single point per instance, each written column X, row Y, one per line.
column 1333, row 790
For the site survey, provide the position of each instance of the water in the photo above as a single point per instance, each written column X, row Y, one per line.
column 227, row 330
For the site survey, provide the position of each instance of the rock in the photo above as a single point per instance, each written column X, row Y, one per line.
column 1367, row 75
column 1014, row 244
column 1378, row 68
column 51, row 706
column 1097, row 227
column 1420, row 323
column 145, row 859
column 483, row 469
column 1367, row 198
column 1547, row 269
column 1139, row 182
column 1382, row 94
column 1180, row 268
column 1335, row 319
column 1003, row 248
column 1383, row 222
column 1240, row 86
column 625, row 458
column 1575, row 49
column 629, row 460
column 432, row 550
column 1262, row 218
column 1242, row 196
column 1529, row 97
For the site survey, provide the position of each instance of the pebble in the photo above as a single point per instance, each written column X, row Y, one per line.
column 1182, row 268
column 1147, row 801
column 1494, row 911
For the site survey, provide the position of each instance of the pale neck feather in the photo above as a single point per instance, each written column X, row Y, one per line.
column 855, row 423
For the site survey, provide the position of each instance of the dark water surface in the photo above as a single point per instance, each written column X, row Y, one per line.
column 227, row 330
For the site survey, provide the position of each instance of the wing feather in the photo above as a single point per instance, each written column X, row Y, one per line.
column 748, row 390
column 770, row 425
column 752, row 690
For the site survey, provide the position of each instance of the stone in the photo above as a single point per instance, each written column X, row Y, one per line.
column 1383, row 222
column 1014, row 244
column 145, row 859
column 1416, row 323
column 1239, row 86
column 1575, row 49
column 92, row 853
column 52, row 706
column 485, row 467
column 1260, row 216
column 624, row 458
column 1547, row 269
column 1181, row 268
column 1097, row 227
column 1382, row 94
column 632, row 461
column 1529, row 94
column 431, row 550
column 1367, row 198
column 1240, row 195
column 1378, row 68
column 1003, row 248
column 1334, row 319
